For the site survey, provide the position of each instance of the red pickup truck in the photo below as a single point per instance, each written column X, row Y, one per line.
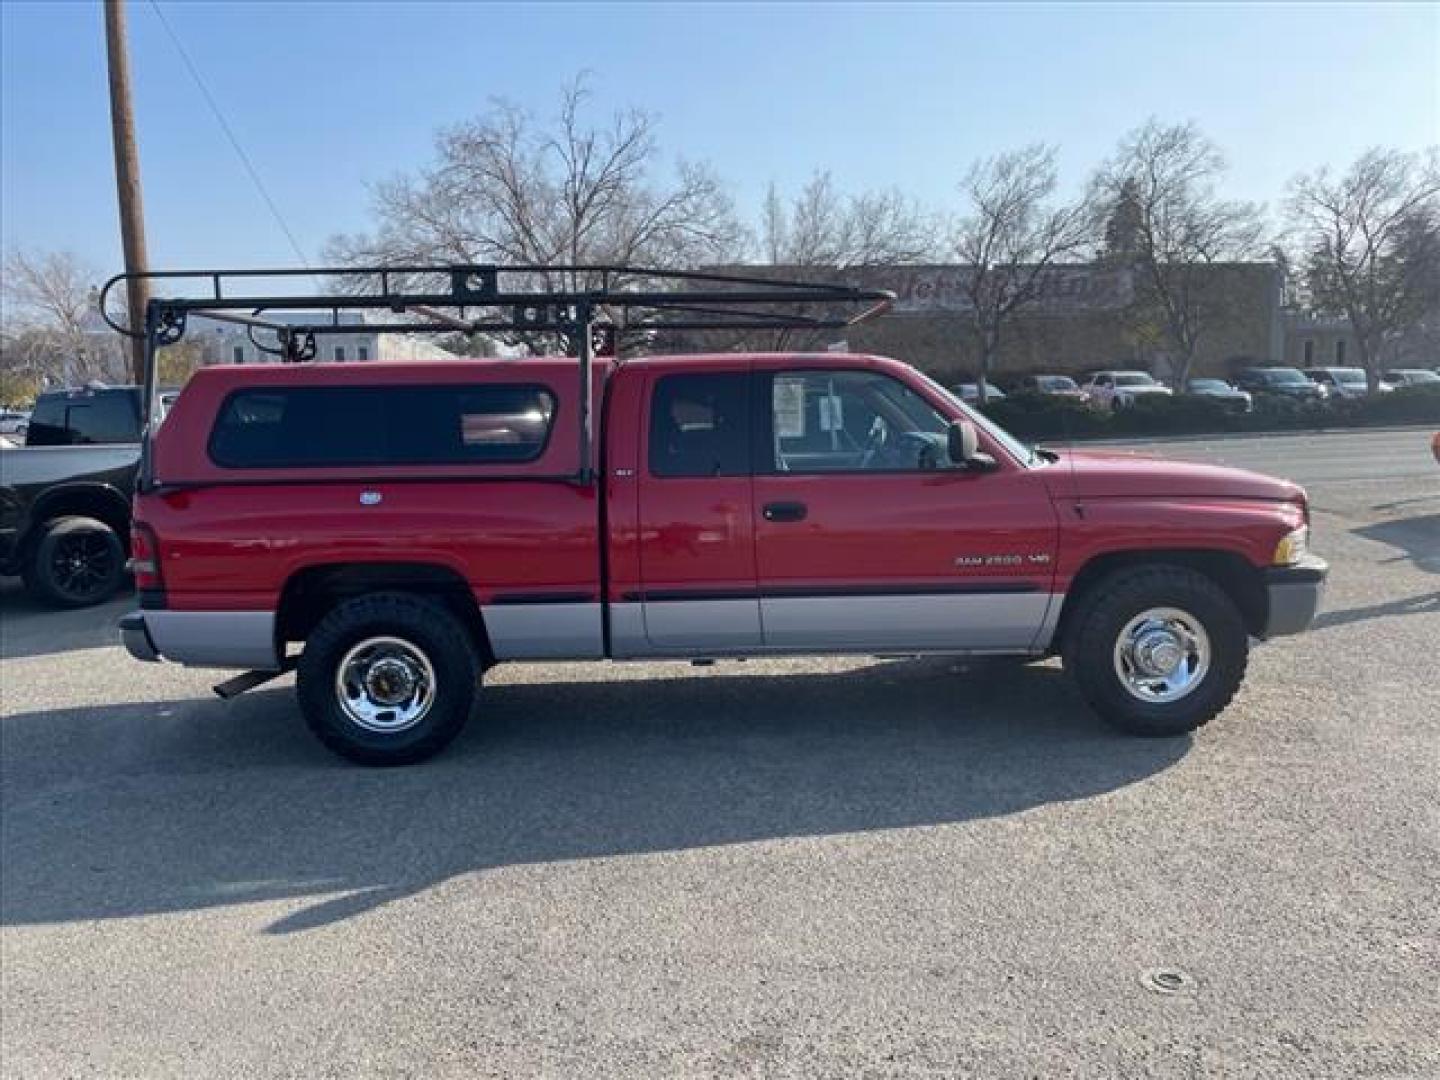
column 410, row 525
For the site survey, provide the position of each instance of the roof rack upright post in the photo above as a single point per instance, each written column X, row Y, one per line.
column 584, row 315
column 144, row 476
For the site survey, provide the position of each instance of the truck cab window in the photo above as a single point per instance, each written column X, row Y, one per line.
column 700, row 425
column 852, row 421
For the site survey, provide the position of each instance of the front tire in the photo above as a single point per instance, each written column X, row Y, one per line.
column 1157, row 650
column 388, row 679
column 76, row 562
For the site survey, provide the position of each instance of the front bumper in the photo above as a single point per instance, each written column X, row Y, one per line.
column 1295, row 595
column 137, row 638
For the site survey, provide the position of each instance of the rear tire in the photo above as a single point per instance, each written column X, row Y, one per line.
column 388, row 679
column 76, row 562
column 1157, row 650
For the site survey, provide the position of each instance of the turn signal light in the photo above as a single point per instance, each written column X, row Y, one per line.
column 1292, row 547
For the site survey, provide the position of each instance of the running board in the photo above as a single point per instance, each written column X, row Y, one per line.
column 249, row 680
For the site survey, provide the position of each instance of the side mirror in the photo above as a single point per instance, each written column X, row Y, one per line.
column 963, row 447
column 963, row 442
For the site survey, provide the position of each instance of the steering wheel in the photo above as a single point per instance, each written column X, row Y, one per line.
column 875, row 442
column 929, row 451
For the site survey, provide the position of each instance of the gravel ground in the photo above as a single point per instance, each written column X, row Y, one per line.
column 787, row 868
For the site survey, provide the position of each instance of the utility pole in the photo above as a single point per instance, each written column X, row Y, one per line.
column 127, row 177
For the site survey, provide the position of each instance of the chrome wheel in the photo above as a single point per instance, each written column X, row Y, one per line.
column 385, row 684
column 1162, row 655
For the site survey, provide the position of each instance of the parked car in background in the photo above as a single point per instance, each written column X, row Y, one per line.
column 13, row 423
column 1050, row 385
column 1398, row 377
column 1348, row 382
column 970, row 392
column 1279, row 382
column 65, row 495
column 1121, row 389
column 1221, row 391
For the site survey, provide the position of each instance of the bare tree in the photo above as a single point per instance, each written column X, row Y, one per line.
column 51, row 319
column 823, row 234
column 51, row 289
column 509, row 189
column 1177, row 230
column 1369, row 243
column 825, row 229
column 1011, row 240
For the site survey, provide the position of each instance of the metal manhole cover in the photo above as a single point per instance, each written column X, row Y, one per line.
column 1166, row 981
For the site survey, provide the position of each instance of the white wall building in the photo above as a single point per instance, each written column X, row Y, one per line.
column 227, row 343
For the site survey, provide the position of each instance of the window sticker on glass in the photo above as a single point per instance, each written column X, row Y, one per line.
column 789, row 402
column 832, row 414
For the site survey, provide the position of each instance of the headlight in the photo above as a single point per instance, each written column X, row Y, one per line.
column 1292, row 547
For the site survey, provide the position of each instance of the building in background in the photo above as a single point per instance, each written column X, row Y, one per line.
column 1319, row 341
column 227, row 343
column 1088, row 316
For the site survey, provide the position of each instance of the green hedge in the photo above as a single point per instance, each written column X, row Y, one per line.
column 1037, row 416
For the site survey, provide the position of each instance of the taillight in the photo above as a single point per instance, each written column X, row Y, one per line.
column 145, row 557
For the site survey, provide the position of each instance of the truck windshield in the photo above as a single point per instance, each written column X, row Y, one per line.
column 1020, row 451
column 1134, row 379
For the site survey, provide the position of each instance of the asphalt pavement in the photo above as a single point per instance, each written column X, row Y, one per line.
column 779, row 868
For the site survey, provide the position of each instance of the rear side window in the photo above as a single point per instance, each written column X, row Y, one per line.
column 700, row 425
column 394, row 425
column 85, row 419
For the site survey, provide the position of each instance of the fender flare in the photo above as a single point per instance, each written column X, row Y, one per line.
column 48, row 506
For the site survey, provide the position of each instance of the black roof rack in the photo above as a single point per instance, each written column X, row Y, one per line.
column 569, row 299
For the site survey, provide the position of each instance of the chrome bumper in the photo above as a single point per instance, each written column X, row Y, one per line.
column 1295, row 595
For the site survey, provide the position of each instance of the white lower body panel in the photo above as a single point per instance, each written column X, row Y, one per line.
column 950, row 622
column 703, row 624
column 991, row 621
column 215, row 639
column 545, row 631
column 679, row 629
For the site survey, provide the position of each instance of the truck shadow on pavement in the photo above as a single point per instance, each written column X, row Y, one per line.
column 1425, row 603
column 1417, row 538
column 171, row 806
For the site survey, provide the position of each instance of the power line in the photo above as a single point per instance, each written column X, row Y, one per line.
column 230, row 135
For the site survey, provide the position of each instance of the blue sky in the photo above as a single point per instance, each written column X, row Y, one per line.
column 329, row 96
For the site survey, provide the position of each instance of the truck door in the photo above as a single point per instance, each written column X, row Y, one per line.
column 696, row 518
column 864, row 539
